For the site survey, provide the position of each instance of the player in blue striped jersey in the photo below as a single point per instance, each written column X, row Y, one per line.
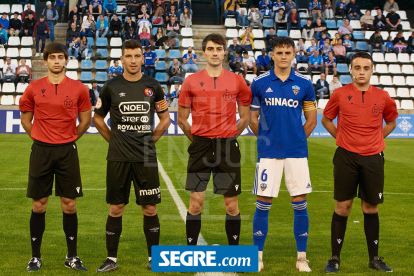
column 278, row 97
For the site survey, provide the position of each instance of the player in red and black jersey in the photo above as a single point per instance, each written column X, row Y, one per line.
column 211, row 95
column 54, row 104
column 131, row 99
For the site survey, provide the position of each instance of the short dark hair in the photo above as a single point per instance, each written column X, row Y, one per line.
column 215, row 38
column 283, row 41
column 54, row 48
column 336, row 76
column 362, row 55
column 4, row 13
column 93, row 81
column 131, row 44
column 42, row 16
column 16, row 13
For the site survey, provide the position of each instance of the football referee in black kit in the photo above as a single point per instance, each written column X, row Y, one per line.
column 131, row 98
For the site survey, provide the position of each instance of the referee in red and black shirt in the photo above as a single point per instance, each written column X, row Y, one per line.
column 359, row 161
column 55, row 102
column 211, row 96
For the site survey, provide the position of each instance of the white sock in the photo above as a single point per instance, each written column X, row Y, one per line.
column 260, row 255
column 301, row 255
column 112, row 259
column 149, row 258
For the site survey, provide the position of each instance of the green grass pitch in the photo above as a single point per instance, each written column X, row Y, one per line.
column 396, row 215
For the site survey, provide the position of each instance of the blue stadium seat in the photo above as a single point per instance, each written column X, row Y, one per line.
column 342, row 68
column 282, row 33
column 267, row 23
column 345, row 79
column 349, row 54
column 90, row 40
column 303, row 22
column 161, row 66
column 266, row 32
column 331, row 24
column 358, row 35
column 161, row 77
column 86, row 76
column 171, row 63
column 101, row 65
column 174, row 54
column 155, row 30
column 101, row 76
column 161, row 54
column 86, row 64
column 177, row 42
column 339, row 23
column 101, row 42
column 103, row 52
column 361, row 46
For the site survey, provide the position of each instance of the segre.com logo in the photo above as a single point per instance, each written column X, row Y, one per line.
column 205, row 258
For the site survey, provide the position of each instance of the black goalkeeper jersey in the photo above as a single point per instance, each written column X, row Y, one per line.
column 131, row 106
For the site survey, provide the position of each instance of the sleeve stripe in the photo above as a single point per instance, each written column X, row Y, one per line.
column 255, row 106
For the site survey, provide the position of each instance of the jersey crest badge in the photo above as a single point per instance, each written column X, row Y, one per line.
column 295, row 89
column 263, row 186
column 148, row 92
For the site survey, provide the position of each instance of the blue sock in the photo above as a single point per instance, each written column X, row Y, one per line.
column 301, row 225
column 260, row 223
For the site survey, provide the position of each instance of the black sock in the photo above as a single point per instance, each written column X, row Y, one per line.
column 371, row 227
column 113, row 232
column 70, row 226
column 152, row 231
column 233, row 224
column 37, row 227
column 193, row 227
column 338, row 228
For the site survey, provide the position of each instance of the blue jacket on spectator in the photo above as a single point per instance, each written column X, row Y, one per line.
column 5, row 23
column 319, row 85
column 99, row 24
column 4, row 34
column 186, row 4
column 262, row 4
column 263, row 61
column 60, row 3
column 113, row 2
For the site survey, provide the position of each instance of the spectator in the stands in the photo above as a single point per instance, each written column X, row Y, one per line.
column 15, row 25
column 60, row 8
column 115, row 68
column 318, row 14
column 28, row 26
column 322, row 87
column 345, row 28
column 319, row 28
column 325, row 48
column 160, row 39
column 265, row 7
column 101, row 27
column 133, row 7
column 308, row 31
column 25, row 14
column 330, row 64
column 233, row 49
column 340, row 9
column 314, row 5
column 95, row 6
column 390, row 4
column 5, row 22
column 410, row 43
column 95, row 91
column 73, row 12
column 76, row 21
column 85, row 49
column 289, row 5
column 367, row 21
column 9, row 70
column 315, row 63
column 230, row 8
column 353, row 11
column 277, row 5
column 51, row 17
column 322, row 40
column 86, row 31
column 293, row 20
column 176, row 73
column 269, row 39
column 129, row 24
column 255, row 18
column 379, row 21
column 389, row 47
column 347, row 43
column 170, row 14
column 145, row 37
column 247, row 39
column 173, row 28
column 71, row 34
column 172, row 3
column 130, row 34
column 115, row 27
column 300, row 50
column 186, row 18
column 186, row 3
column 393, row 20
column 279, row 20
column 157, row 16
column 151, row 61
column 249, row 63
column 83, row 6
column 165, row 95
column 236, row 62
column 334, row 84
column 74, row 48
column 23, row 72
column 340, row 52
column 399, row 43
column 335, row 39
column 190, row 61
column 263, row 62
column 266, row 13
column 328, row 10
column 109, row 7
column 265, row 3
column 242, row 19
column 376, row 42
column 311, row 49
column 40, row 32
column 175, row 95
column 3, row 37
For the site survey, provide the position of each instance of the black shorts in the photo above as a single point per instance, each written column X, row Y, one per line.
column 219, row 156
column 351, row 169
column 146, row 182
column 48, row 161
